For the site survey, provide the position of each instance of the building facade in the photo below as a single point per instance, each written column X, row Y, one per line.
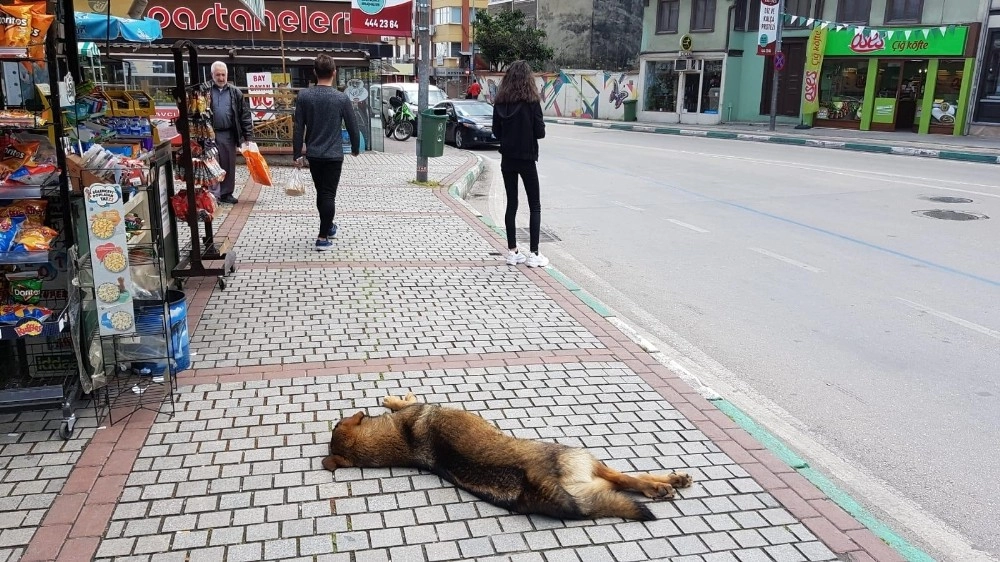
column 453, row 43
column 584, row 34
column 900, row 65
column 986, row 113
column 683, row 61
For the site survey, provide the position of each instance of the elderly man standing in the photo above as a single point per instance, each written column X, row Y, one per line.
column 232, row 124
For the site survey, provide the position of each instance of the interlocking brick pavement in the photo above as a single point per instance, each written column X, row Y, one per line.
column 413, row 298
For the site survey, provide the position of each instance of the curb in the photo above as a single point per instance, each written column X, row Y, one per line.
column 954, row 155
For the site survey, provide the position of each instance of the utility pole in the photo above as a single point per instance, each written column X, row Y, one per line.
column 423, row 70
column 776, row 74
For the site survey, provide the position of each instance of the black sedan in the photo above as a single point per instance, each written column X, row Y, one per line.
column 470, row 122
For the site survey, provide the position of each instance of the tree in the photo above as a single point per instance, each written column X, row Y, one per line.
column 506, row 37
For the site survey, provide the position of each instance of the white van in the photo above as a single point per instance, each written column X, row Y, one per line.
column 406, row 90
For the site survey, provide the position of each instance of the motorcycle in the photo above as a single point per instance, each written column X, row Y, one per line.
column 400, row 127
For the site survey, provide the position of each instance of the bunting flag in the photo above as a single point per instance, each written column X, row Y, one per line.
column 792, row 19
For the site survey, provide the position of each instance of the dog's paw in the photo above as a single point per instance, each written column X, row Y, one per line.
column 659, row 491
column 394, row 403
column 680, row 479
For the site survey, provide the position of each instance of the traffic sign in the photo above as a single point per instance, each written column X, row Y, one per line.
column 779, row 61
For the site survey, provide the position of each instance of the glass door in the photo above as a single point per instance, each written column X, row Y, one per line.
column 988, row 106
column 887, row 93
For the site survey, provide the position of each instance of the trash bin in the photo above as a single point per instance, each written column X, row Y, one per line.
column 150, row 356
column 433, row 123
column 630, row 109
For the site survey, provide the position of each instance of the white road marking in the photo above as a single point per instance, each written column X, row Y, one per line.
column 780, row 257
column 630, row 207
column 997, row 195
column 688, row 226
column 953, row 319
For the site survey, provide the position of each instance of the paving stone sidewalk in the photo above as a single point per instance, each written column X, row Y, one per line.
column 414, row 297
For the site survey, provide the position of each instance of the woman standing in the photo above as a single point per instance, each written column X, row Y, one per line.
column 518, row 124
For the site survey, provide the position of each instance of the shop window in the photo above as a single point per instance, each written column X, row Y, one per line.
column 666, row 16
column 703, row 15
column 842, row 89
column 903, row 11
column 661, row 87
column 946, row 92
column 799, row 8
column 854, row 11
column 753, row 16
column 711, row 90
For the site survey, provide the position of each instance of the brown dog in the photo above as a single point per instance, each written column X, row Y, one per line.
column 519, row 474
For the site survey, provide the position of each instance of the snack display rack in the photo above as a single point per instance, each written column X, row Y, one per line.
column 196, row 161
column 37, row 366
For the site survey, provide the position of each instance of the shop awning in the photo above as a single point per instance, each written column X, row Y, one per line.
column 103, row 27
column 400, row 68
column 88, row 49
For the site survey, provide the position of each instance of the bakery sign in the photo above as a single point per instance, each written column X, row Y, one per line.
column 289, row 20
column 906, row 42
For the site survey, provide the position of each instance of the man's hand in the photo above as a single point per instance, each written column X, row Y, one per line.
column 300, row 161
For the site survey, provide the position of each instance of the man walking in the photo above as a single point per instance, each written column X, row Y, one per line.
column 474, row 90
column 232, row 124
column 319, row 112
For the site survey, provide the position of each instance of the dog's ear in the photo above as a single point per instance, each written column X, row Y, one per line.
column 355, row 419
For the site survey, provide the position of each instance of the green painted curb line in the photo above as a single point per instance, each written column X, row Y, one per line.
column 620, row 127
column 825, row 485
column 862, row 147
column 666, row 131
column 593, row 303
column 722, row 135
column 967, row 157
column 565, row 281
column 788, row 140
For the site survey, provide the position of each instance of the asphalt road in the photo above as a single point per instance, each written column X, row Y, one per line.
column 799, row 283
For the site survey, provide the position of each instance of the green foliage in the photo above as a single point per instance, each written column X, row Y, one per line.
column 505, row 37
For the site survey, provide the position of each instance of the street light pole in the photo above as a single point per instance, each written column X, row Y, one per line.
column 423, row 69
column 776, row 73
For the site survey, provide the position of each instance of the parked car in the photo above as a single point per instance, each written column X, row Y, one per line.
column 407, row 91
column 470, row 122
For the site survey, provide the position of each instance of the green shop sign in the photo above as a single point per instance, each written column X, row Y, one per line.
column 901, row 42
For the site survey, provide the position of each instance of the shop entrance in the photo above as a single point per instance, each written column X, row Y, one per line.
column 900, row 91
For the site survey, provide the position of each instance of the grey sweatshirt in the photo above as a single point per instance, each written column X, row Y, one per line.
column 319, row 111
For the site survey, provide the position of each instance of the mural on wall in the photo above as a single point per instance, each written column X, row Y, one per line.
column 579, row 94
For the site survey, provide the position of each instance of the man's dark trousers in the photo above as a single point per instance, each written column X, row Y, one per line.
column 326, row 176
column 226, row 141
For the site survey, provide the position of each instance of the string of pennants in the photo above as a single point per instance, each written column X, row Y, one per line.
column 811, row 23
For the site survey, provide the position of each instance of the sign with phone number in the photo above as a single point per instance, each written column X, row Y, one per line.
column 382, row 17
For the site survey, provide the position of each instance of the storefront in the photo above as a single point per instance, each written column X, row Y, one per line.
column 899, row 79
column 988, row 102
column 681, row 87
column 295, row 31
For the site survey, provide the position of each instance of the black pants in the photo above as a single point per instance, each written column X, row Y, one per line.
column 226, row 141
column 326, row 176
column 511, row 168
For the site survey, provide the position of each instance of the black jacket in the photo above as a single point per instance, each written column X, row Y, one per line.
column 519, row 126
column 241, row 111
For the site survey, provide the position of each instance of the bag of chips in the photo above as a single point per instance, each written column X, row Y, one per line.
column 14, row 313
column 32, row 210
column 16, row 154
column 40, row 24
column 9, row 227
column 15, row 23
column 25, row 288
column 34, row 238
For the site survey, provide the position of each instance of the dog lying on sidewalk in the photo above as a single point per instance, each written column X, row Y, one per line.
column 521, row 475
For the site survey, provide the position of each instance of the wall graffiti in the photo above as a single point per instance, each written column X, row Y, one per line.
column 586, row 94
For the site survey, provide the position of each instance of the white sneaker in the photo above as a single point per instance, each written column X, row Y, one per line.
column 514, row 258
column 536, row 260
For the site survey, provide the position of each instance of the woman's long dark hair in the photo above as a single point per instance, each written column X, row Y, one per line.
column 518, row 85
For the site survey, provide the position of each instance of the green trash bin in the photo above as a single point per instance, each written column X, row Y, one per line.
column 630, row 109
column 433, row 123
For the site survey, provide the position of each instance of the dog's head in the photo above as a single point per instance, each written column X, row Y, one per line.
column 343, row 442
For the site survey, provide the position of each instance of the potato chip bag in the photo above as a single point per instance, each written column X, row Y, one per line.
column 40, row 24
column 32, row 210
column 15, row 155
column 33, row 238
column 9, row 227
column 15, row 23
column 37, row 6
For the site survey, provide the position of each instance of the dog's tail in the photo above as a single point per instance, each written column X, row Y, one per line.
column 609, row 503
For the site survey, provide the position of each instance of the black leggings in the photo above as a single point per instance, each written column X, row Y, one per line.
column 510, row 168
column 326, row 176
